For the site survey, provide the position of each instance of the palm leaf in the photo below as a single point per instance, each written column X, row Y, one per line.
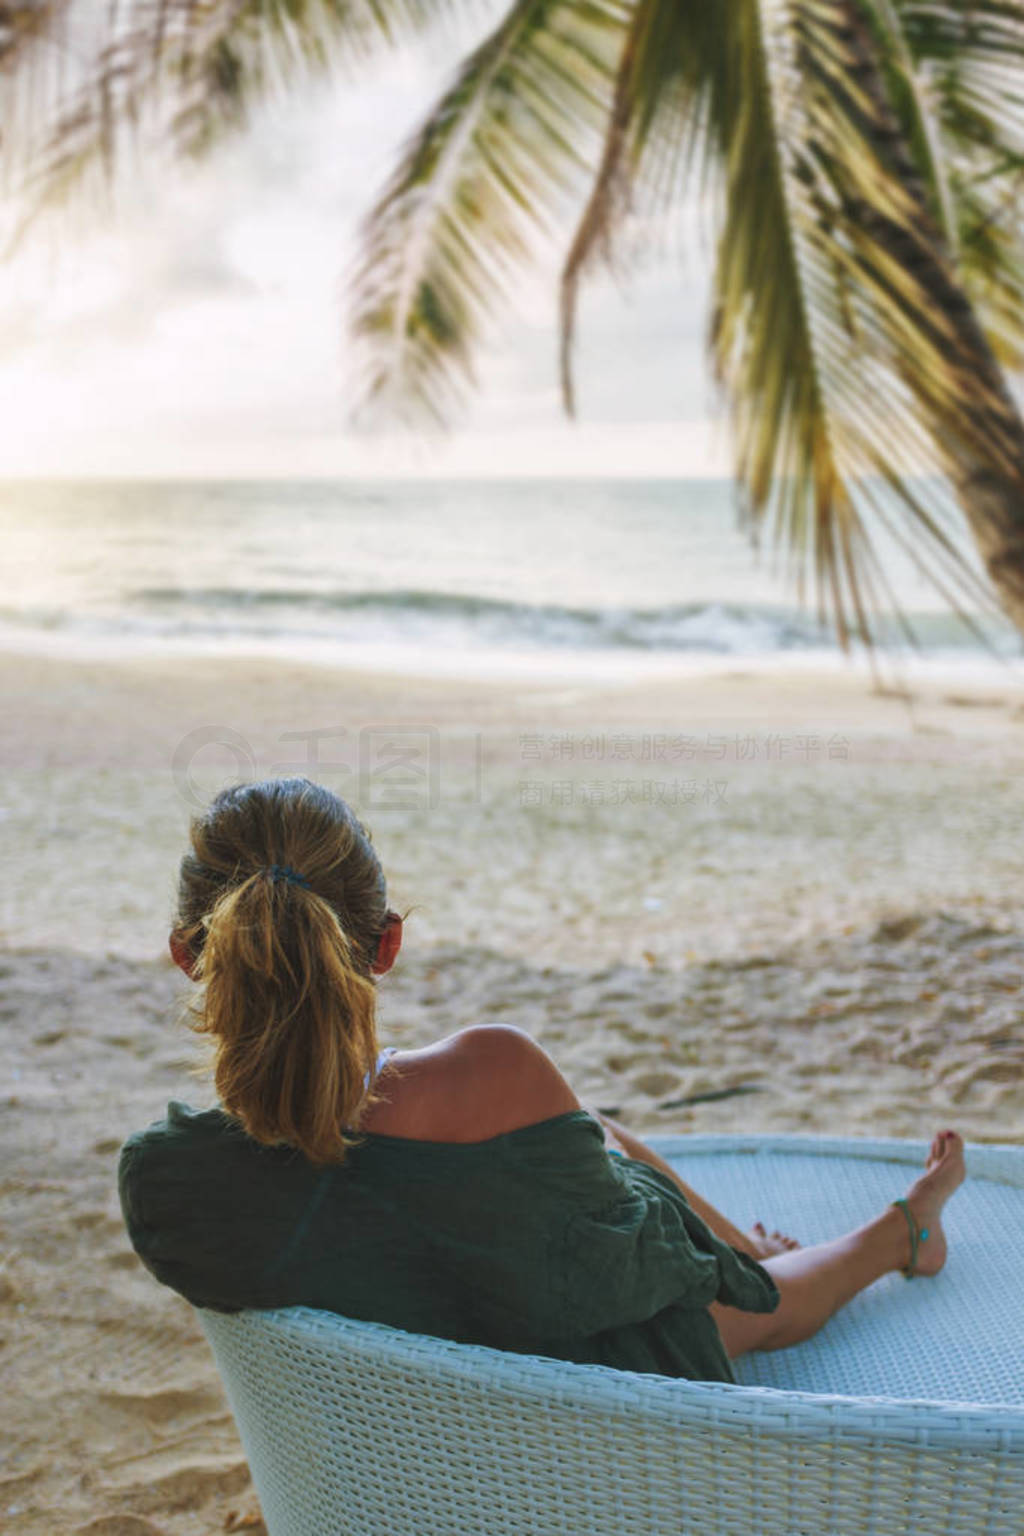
column 781, row 322
column 839, row 329
column 968, row 54
column 484, row 184
column 915, row 107
column 25, row 25
column 189, row 71
column 990, row 212
column 969, row 60
column 659, row 123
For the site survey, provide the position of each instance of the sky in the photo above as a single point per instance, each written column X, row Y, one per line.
column 197, row 328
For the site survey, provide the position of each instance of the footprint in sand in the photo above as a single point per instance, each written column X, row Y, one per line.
column 123, row 1260
column 961, row 1084
column 180, row 1487
column 171, row 1407
column 632, row 1033
column 120, row 1525
column 655, row 1084
column 87, row 1221
column 661, row 1010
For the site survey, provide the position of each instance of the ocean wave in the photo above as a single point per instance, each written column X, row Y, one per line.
column 715, row 626
column 445, row 620
column 453, row 616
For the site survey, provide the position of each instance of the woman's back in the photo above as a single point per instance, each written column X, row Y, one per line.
column 531, row 1240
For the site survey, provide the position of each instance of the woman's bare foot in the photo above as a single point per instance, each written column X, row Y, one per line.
column 764, row 1245
column 944, row 1172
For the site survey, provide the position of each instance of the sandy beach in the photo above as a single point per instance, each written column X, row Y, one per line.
column 749, row 900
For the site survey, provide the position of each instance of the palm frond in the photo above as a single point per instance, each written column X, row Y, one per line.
column 969, row 55
column 662, row 61
column 840, row 333
column 190, row 71
column 916, row 109
column 990, row 211
column 955, row 80
column 779, row 325
column 22, row 24
column 608, row 200
column 496, row 167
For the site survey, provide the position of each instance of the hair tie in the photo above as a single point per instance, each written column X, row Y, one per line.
column 285, row 872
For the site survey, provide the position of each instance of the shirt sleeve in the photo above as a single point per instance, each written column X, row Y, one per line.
column 631, row 1245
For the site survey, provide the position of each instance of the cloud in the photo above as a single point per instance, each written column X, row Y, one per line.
column 210, row 314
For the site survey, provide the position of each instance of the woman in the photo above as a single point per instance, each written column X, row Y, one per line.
column 460, row 1189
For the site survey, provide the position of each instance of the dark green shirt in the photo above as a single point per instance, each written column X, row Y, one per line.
column 536, row 1241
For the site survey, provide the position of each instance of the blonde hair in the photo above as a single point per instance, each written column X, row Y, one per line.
column 289, row 1001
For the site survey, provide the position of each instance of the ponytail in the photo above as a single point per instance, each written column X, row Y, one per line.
column 289, row 1002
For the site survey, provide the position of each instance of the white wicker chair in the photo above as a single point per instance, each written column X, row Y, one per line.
column 904, row 1416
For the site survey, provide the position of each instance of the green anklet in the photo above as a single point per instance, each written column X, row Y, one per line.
column 918, row 1235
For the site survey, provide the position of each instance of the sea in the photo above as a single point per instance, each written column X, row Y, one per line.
column 498, row 577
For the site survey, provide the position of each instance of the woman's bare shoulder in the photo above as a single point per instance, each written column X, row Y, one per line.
column 480, row 1082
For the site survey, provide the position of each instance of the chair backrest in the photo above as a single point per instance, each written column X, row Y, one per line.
column 356, row 1429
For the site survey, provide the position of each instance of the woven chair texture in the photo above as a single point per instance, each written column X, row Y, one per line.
column 905, row 1415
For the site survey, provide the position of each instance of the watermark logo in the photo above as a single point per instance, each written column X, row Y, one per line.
column 206, row 745
column 667, row 747
column 372, row 765
column 423, row 767
column 534, row 794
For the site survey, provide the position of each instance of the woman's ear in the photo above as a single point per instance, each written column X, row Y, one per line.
column 390, row 944
column 181, row 954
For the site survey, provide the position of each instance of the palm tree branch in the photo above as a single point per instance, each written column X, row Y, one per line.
column 969, row 57
column 596, row 217
column 496, row 164
column 192, row 69
column 769, row 339
column 661, row 117
column 917, row 109
column 840, row 330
